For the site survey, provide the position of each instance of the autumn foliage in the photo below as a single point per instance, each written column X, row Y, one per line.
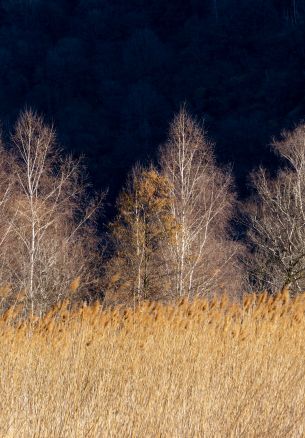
column 141, row 233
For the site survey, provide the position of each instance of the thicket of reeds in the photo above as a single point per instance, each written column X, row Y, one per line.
column 202, row 368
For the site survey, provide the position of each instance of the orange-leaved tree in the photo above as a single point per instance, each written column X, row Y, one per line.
column 141, row 233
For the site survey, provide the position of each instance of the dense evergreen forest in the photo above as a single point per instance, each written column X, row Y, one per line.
column 110, row 74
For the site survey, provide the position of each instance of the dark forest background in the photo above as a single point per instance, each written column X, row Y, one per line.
column 111, row 74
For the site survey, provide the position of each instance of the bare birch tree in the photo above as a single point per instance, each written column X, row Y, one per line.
column 48, row 239
column 276, row 219
column 202, row 205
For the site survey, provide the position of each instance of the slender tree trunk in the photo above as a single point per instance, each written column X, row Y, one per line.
column 183, row 218
column 139, row 255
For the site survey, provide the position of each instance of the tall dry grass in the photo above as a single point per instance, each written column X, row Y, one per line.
column 204, row 369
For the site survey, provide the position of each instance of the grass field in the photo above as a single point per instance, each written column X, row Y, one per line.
column 201, row 369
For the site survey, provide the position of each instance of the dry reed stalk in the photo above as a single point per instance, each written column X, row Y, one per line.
column 201, row 368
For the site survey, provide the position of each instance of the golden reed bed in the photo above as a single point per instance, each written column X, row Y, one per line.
column 201, row 369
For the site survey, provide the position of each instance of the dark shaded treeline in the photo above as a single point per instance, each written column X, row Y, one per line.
column 112, row 73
